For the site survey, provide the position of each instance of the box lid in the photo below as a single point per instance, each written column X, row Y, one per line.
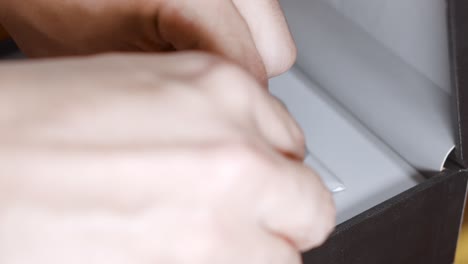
column 458, row 38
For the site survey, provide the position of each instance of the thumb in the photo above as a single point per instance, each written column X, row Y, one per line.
column 214, row 26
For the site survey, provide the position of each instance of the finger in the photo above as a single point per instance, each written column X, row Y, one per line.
column 297, row 206
column 273, row 118
column 270, row 33
column 275, row 250
column 249, row 244
column 214, row 26
column 231, row 84
column 236, row 91
column 208, row 237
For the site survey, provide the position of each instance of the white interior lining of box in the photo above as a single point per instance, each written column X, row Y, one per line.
column 415, row 30
column 371, row 172
column 399, row 104
column 372, row 97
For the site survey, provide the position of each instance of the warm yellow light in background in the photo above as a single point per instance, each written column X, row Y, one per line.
column 462, row 251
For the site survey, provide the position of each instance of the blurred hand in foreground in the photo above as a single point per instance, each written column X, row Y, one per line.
column 151, row 159
column 251, row 33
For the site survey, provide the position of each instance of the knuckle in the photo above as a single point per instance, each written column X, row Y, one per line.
column 325, row 215
column 295, row 129
column 242, row 163
column 284, row 252
column 330, row 214
column 234, row 87
column 299, row 138
column 242, row 157
column 314, row 218
column 225, row 70
column 232, row 76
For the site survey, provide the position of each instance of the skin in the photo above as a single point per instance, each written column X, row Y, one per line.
column 180, row 158
column 253, row 34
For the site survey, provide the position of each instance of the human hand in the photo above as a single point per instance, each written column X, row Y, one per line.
column 252, row 33
column 151, row 159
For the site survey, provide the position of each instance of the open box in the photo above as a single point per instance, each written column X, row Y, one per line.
column 382, row 110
